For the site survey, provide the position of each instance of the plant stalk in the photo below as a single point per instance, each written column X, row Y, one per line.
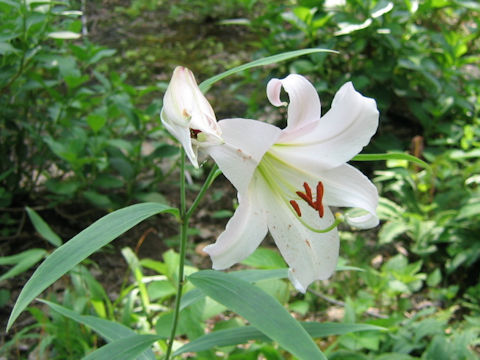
column 184, row 220
column 183, row 245
column 210, row 179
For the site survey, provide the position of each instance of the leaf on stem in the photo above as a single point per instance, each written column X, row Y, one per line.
column 21, row 262
column 107, row 329
column 81, row 246
column 43, row 228
column 204, row 86
column 392, row 156
column 244, row 334
column 262, row 310
column 125, row 348
column 194, row 295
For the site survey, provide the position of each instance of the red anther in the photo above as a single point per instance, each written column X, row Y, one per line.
column 319, row 192
column 194, row 133
column 308, row 191
column 318, row 203
column 320, row 210
column 308, row 200
column 296, row 207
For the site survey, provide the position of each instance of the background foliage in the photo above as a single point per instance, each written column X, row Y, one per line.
column 79, row 129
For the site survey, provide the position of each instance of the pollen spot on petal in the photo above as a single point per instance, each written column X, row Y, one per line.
column 243, row 155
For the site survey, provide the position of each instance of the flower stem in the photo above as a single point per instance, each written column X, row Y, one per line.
column 183, row 245
column 184, row 220
column 210, row 178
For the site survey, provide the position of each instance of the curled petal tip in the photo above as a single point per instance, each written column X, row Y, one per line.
column 274, row 88
column 366, row 221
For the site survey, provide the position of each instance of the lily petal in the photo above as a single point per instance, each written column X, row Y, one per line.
column 304, row 101
column 338, row 136
column 186, row 113
column 310, row 255
column 348, row 187
column 246, row 141
column 345, row 186
column 243, row 234
column 183, row 137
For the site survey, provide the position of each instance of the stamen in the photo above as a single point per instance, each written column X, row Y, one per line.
column 308, row 191
column 320, row 210
column 307, row 199
column 194, row 133
column 318, row 203
column 296, row 207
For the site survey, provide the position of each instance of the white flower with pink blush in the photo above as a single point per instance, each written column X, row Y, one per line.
column 287, row 179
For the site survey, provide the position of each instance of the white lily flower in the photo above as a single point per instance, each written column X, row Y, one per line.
column 287, row 179
column 188, row 116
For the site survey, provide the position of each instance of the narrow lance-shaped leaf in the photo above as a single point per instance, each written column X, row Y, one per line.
column 22, row 262
column 124, row 348
column 244, row 334
column 251, row 276
column 204, row 86
column 261, row 309
column 81, row 246
column 248, row 275
column 107, row 329
column 392, row 156
column 43, row 228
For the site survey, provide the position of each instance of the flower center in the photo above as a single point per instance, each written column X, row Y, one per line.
column 274, row 171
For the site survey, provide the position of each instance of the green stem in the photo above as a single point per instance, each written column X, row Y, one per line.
column 183, row 246
column 210, row 178
column 184, row 219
